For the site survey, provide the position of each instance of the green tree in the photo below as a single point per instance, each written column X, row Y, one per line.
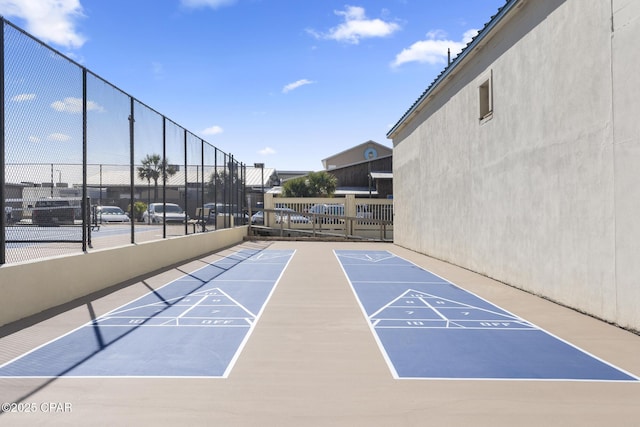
column 153, row 168
column 321, row 184
column 296, row 187
column 138, row 210
column 316, row 184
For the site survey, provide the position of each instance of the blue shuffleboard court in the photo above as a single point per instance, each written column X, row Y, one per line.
column 427, row 327
column 195, row 326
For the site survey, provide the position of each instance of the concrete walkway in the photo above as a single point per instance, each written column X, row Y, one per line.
column 313, row 361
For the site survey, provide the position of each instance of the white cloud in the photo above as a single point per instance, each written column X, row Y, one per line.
column 357, row 26
column 267, row 151
column 94, row 106
column 433, row 50
column 213, row 4
column 296, row 84
column 58, row 137
column 213, row 130
column 34, row 139
column 74, row 105
column 53, row 21
column 24, row 97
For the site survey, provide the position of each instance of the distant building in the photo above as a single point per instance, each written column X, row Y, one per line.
column 259, row 181
column 287, row 175
column 369, row 178
column 366, row 151
column 365, row 170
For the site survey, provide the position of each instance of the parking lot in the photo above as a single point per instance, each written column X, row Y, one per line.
column 27, row 242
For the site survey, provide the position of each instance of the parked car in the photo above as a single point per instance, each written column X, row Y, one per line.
column 362, row 211
column 325, row 209
column 239, row 217
column 159, row 212
column 111, row 214
column 257, row 218
column 289, row 216
column 53, row 212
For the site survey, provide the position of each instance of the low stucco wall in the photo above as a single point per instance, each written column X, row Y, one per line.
column 30, row 288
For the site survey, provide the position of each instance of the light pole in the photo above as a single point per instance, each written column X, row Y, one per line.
column 52, row 183
column 261, row 166
column 370, row 157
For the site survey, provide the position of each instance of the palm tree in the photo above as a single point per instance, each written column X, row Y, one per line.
column 153, row 168
column 322, row 184
column 315, row 184
column 296, row 187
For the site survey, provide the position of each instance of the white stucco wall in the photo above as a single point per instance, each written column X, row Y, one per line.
column 544, row 194
column 626, row 112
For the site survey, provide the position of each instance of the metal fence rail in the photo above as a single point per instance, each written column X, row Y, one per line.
column 71, row 144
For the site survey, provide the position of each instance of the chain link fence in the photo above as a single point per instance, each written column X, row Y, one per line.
column 84, row 165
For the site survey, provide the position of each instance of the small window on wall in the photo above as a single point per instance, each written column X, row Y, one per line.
column 485, row 92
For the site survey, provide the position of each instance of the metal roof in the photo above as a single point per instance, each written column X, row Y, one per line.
column 382, row 175
column 340, row 191
column 253, row 176
column 358, row 191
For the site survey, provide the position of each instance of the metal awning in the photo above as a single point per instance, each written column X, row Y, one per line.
column 382, row 175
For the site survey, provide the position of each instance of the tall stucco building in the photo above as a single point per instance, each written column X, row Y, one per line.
column 526, row 149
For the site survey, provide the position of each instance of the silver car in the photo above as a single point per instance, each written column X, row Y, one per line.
column 111, row 214
column 257, row 218
column 156, row 213
column 286, row 215
column 318, row 211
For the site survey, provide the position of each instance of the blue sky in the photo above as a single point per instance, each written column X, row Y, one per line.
column 284, row 82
